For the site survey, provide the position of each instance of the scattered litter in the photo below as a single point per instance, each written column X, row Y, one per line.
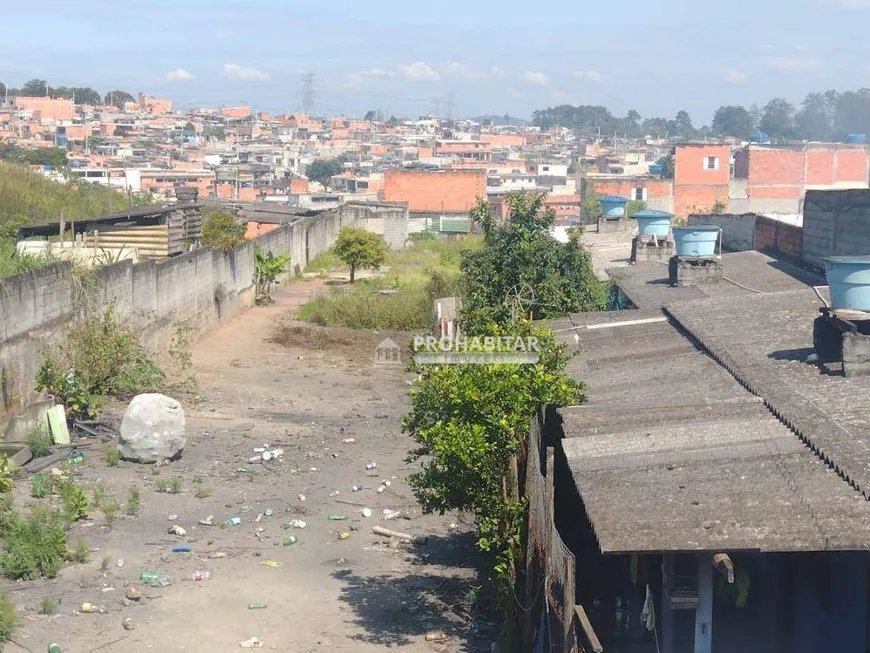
column 175, row 529
column 54, row 648
column 181, row 548
column 334, row 516
column 259, row 517
column 289, row 540
column 366, row 512
column 813, row 358
column 128, row 624
column 200, row 575
column 271, row 563
column 371, row 465
column 313, row 469
column 259, row 449
column 256, row 606
column 90, row 608
column 301, row 497
column 268, row 455
column 75, row 457
column 172, row 517
column 251, row 643
column 343, row 535
column 334, row 494
column 297, row 523
column 391, row 514
column 435, row 636
column 217, row 555
column 268, row 512
column 381, row 489
column 386, row 483
column 453, row 527
column 234, row 521
column 246, row 469
column 349, row 440
column 356, row 487
column 133, row 593
column 120, row 562
column 378, row 530
column 208, row 521
column 155, row 578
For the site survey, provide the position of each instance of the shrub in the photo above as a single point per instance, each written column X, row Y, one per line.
column 39, row 440
column 6, row 482
column 201, row 490
column 47, row 606
column 35, row 545
column 40, row 486
column 79, row 552
column 134, row 501
column 161, row 485
column 175, row 484
column 113, row 456
column 110, row 508
column 74, row 500
column 8, row 618
column 221, row 229
column 99, row 357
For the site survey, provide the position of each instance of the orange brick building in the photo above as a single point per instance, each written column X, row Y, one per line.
column 447, row 191
column 47, row 108
column 236, row 112
column 158, row 106
column 657, row 193
column 702, row 173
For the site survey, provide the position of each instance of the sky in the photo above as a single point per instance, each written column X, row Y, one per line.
column 406, row 58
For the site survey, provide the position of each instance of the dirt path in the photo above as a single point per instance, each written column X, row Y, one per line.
column 359, row 594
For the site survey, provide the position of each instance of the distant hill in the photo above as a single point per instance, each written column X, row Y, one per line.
column 503, row 120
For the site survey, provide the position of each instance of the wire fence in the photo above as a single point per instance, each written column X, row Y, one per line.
column 549, row 621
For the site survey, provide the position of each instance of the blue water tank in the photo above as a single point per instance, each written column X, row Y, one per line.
column 653, row 223
column 759, row 137
column 656, row 169
column 610, row 202
column 849, row 281
column 856, row 138
column 696, row 241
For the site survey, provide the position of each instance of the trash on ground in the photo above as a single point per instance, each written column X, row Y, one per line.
column 271, row 563
column 356, row 487
column 181, row 548
column 334, row 494
column 133, row 593
column 268, row 512
column 366, row 512
column 381, row 489
column 217, row 555
column 54, row 648
column 246, row 469
column 155, row 578
column 343, row 535
column 75, row 457
column 57, row 424
column 251, row 643
column 297, row 523
column 208, row 521
column 256, row 606
column 120, row 562
column 90, row 608
column 289, row 540
column 152, row 429
column 128, row 624
column 175, row 529
column 234, row 521
column 378, row 530
column 371, row 465
column 435, row 636
column 391, row 514
column 333, row 516
column 349, row 440
column 301, row 497
column 200, row 575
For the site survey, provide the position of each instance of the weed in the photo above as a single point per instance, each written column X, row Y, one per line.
column 35, row 545
column 113, row 456
column 155, row 471
column 79, row 552
column 175, row 484
column 40, row 486
column 161, row 485
column 201, row 490
column 104, row 563
column 179, row 349
column 39, row 440
column 47, row 606
column 98, row 493
column 110, row 507
column 134, row 501
column 6, row 482
column 74, row 500
column 8, row 618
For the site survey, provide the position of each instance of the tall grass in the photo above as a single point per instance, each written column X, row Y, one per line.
column 400, row 299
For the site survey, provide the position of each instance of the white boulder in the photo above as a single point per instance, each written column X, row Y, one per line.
column 152, row 429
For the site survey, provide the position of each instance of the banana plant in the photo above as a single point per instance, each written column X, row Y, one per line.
column 267, row 269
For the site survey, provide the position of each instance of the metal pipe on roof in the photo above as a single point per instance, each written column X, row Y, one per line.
column 609, row 325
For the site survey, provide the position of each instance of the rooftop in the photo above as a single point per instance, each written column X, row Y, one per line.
column 704, row 429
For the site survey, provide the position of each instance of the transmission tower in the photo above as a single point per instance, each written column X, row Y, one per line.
column 451, row 97
column 306, row 82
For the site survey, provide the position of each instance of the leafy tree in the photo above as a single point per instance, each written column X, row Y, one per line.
column 117, row 98
column 633, row 206
column 359, row 249
column 667, row 164
column 322, row 170
column 211, row 131
column 371, row 115
column 34, row 88
column 43, row 156
column 778, row 119
column 733, row 121
column 470, row 420
column 2, row 90
column 221, row 229
column 522, row 253
column 393, row 122
column 632, row 121
column 591, row 206
column 682, row 125
column 656, row 127
column 267, row 269
column 852, row 113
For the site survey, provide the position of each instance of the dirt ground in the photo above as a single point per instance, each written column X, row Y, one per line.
column 364, row 593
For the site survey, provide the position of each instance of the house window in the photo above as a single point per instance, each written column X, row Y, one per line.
column 711, row 163
column 638, row 194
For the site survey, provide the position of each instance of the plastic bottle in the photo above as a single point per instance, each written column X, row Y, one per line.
column 181, row 548
column 256, row 606
column 54, row 648
column 336, row 517
column 154, row 578
column 289, row 540
column 234, row 521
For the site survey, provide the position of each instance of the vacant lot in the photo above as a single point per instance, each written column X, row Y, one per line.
column 309, row 395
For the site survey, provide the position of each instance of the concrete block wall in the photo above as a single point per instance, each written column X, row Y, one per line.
column 200, row 288
column 778, row 237
column 738, row 231
column 836, row 223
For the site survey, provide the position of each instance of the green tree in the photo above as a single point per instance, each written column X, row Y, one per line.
column 632, row 122
column 521, row 254
column 34, row 88
column 359, row 249
column 371, row 115
column 632, row 207
column 221, row 229
column 322, row 170
column 117, row 98
column 732, row 121
column 591, row 206
column 682, row 125
column 393, row 122
column 667, row 164
column 656, row 127
column 777, row 120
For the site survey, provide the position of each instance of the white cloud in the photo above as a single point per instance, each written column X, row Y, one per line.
column 536, row 79
column 559, row 96
column 236, row 71
column 795, row 64
column 418, row 70
column 179, row 74
column 359, row 79
column 734, row 76
column 497, row 72
column 463, row 70
column 589, row 75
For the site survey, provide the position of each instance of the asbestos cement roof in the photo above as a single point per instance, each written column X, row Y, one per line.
column 671, row 452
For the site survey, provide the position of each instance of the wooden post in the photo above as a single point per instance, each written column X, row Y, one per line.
column 704, row 612
column 667, row 643
column 568, row 607
column 551, row 488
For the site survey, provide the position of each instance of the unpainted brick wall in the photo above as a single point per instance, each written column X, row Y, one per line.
column 779, row 237
column 441, row 190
